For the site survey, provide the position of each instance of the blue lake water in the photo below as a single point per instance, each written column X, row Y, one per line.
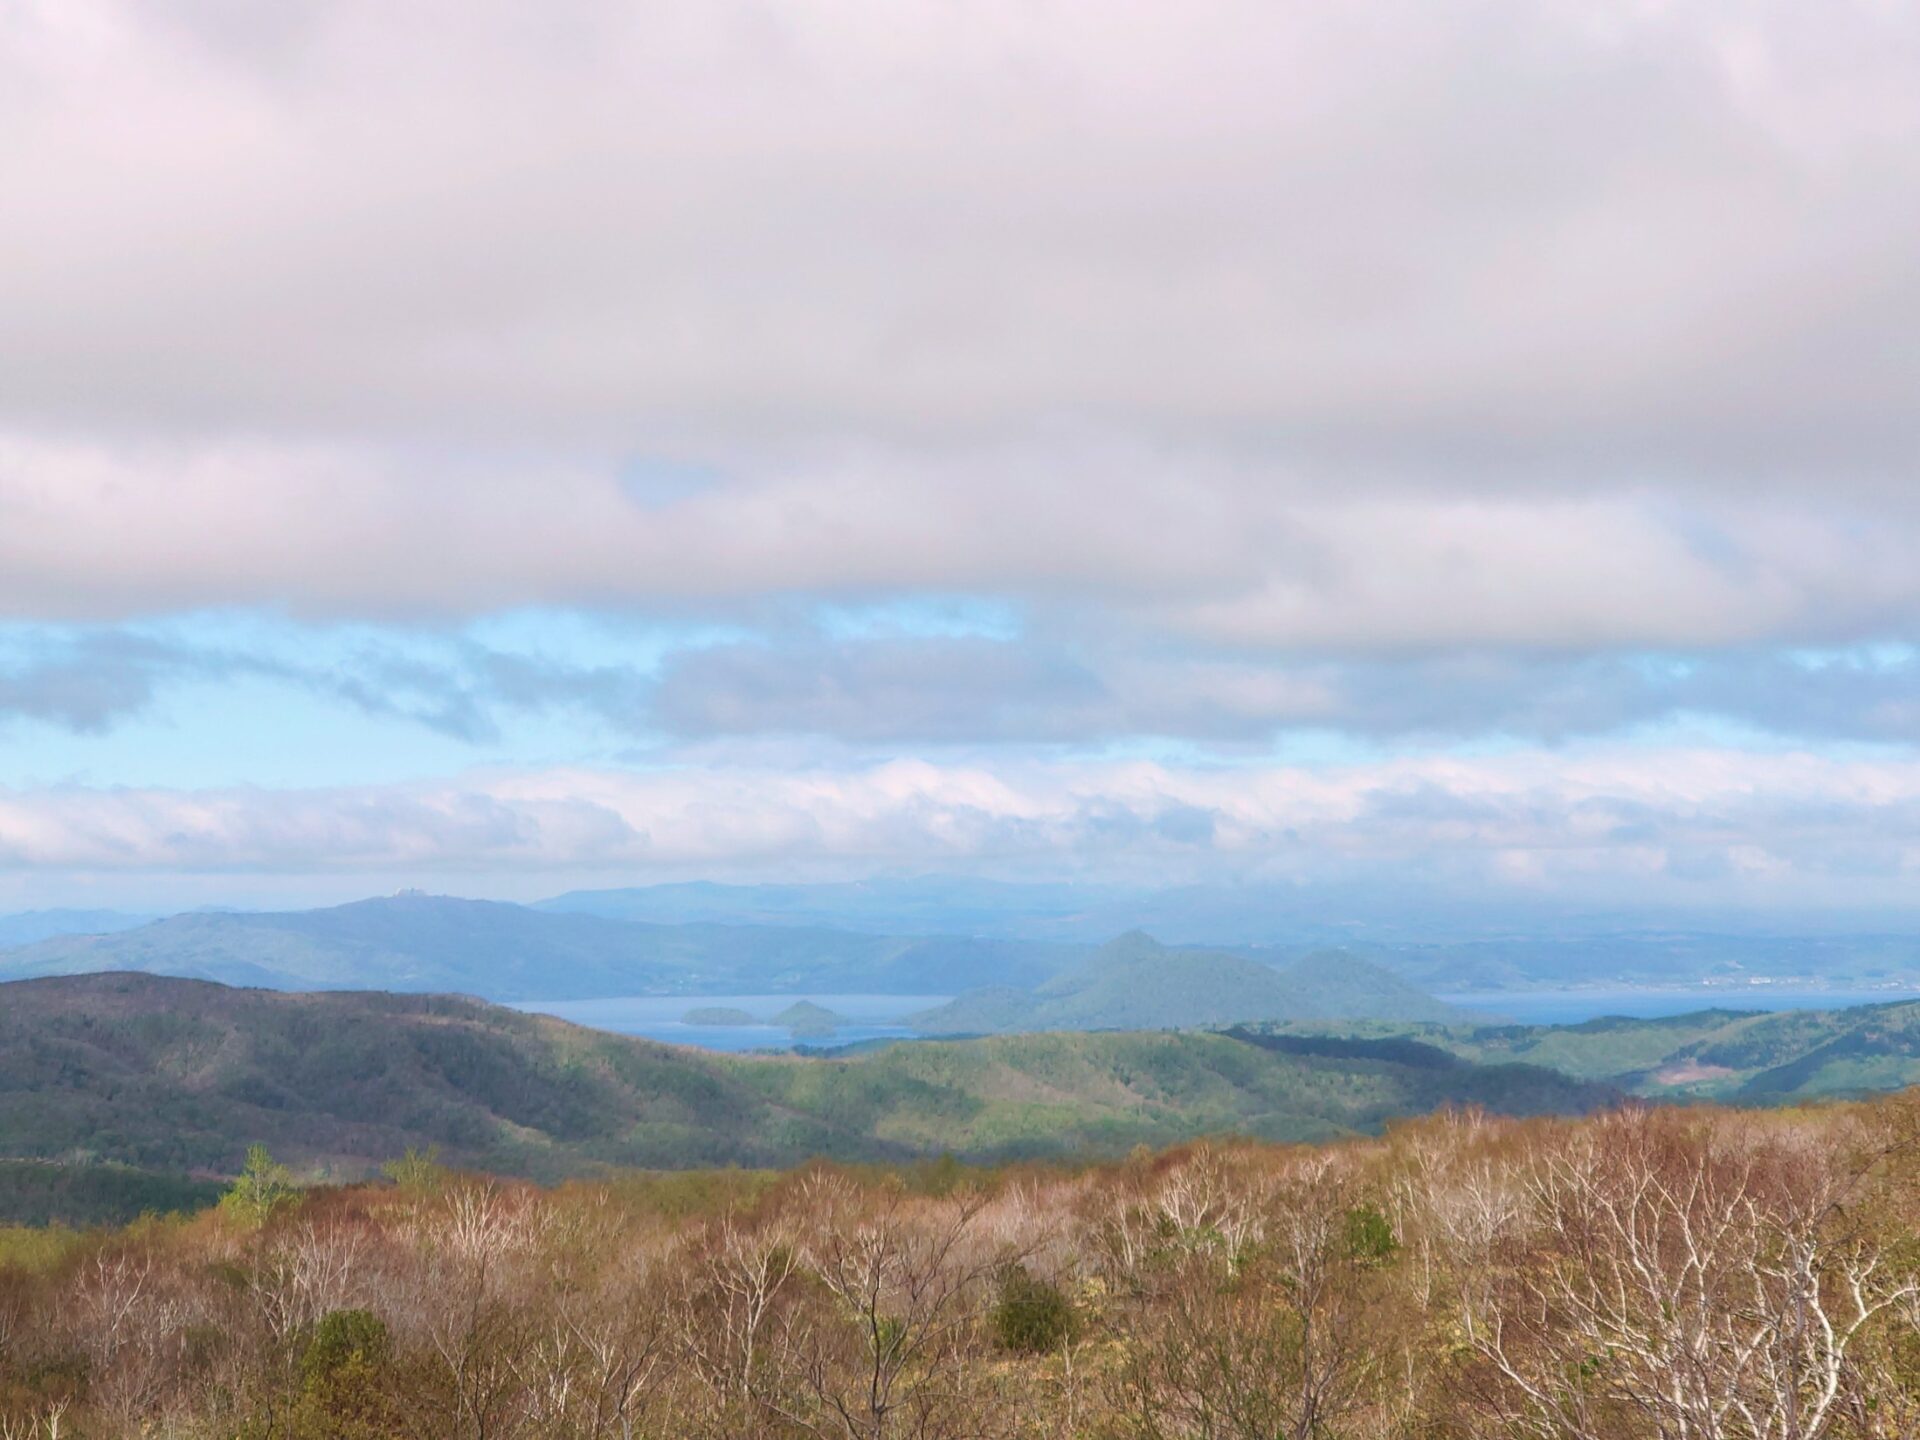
column 1569, row 1007
column 878, row 1017
column 657, row 1017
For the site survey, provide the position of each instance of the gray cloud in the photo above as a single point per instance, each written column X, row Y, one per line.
column 978, row 690
column 91, row 681
column 944, row 689
column 88, row 689
column 1430, row 226
column 1045, row 689
column 1186, row 549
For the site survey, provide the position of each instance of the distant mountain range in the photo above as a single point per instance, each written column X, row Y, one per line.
column 428, row 943
column 1430, row 947
column 1136, row 983
column 913, row 905
column 1427, row 939
column 424, row 943
column 27, row 926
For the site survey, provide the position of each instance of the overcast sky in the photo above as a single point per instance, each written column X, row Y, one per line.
column 498, row 447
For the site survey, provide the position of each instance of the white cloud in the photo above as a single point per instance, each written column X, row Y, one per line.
column 1699, row 825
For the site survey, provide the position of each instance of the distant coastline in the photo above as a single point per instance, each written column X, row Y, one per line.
column 1569, row 1005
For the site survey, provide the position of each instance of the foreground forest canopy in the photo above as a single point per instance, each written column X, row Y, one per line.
column 1644, row 1273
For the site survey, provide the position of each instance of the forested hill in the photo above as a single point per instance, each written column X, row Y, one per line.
column 180, row 1076
column 1136, row 983
column 1744, row 1056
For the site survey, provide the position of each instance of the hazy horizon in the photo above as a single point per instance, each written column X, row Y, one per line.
column 1250, row 914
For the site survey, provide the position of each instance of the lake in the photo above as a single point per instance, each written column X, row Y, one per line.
column 657, row 1017
column 878, row 1017
column 1569, row 1007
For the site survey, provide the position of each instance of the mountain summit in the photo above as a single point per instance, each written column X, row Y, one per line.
column 1136, row 983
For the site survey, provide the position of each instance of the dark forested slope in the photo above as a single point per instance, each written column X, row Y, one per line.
column 181, row 1075
column 1722, row 1054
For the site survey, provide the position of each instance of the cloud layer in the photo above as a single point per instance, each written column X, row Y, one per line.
column 1221, row 556
column 1404, row 225
column 965, row 690
column 1675, row 825
column 1266, row 325
column 1500, row 387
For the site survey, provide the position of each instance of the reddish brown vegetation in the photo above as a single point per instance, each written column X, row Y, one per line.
column 1661, row 1274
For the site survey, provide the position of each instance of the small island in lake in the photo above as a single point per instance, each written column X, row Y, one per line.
column 803, row 1017
column 719, row 1015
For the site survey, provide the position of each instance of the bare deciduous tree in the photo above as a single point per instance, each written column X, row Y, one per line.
column 1292, row 1337
column 1701, row 1285
column 903, row 1283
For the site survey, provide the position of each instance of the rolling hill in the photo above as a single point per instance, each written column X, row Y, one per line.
column 179, row 1076
column 1735, row 1055
column 1136, row 983
column 430, row 943
column 123, row 1091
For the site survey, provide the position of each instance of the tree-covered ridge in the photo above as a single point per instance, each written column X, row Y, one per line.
column 178, row 1075
column 174, row 1078
column 1742, row 1055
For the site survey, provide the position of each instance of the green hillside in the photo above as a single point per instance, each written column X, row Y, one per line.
column 1718, row 1054
column 1136, row 983
column 126, row 1091
column 1050, row 1094
column 180, row 1076
column 1339, row 985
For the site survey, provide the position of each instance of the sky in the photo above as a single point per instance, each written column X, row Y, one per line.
column 1429, row 446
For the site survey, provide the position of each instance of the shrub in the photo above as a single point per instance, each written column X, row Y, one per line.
column 347, row 1390
column 1031, row 1316
column 344, row 1337
column 1369, row 1236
